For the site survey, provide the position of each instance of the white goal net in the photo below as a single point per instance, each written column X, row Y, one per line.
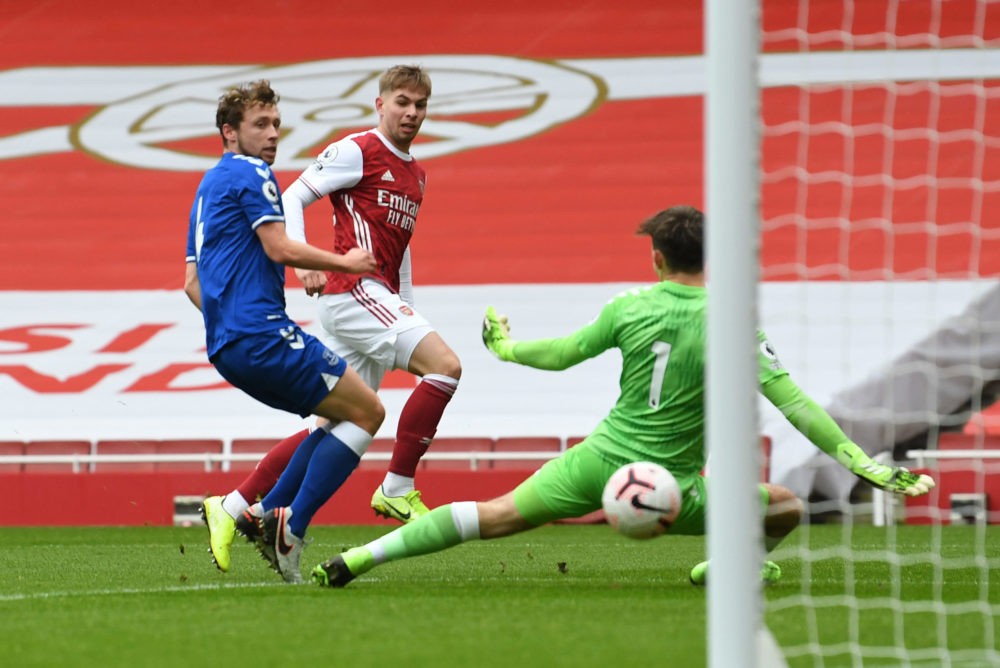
column 880, row 181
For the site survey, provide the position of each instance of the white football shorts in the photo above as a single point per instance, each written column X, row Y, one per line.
column 372, row 328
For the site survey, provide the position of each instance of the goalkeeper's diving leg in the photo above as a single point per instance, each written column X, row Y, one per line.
column 782, row 513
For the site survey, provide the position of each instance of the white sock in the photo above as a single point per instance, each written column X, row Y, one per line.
column 377, row 550
column 465, row 515
column 353, row 436
column 234, row 504
column 396, row 485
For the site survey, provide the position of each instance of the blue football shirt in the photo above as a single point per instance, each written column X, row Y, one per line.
column 242, row 290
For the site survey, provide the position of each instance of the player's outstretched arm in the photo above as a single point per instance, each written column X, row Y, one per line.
column 549, row 354
column 896, row 479
column 817, row 425
column 293, row 253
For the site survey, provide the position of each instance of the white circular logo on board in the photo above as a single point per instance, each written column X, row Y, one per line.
column 476, row 101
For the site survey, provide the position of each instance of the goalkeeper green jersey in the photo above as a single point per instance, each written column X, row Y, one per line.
column 660, row 414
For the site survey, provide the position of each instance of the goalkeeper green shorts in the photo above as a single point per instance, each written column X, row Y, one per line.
column 568, row 486
column 571, row 486
column 694, row 492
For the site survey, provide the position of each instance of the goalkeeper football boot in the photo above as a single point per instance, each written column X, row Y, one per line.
column 404, row 508
column 221, row 531
column 335, row 572
column 287, row 548
column 699, row 574
column 769, row 574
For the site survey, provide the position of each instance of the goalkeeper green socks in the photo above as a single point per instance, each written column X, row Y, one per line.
column 441, row 528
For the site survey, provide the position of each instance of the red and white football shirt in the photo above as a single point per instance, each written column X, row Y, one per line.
column 376, row 191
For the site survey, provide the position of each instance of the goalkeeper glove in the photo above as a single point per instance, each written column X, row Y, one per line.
column 496, row 335
column 895, row 479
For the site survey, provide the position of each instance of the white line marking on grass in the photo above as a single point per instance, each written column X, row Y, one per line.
column 152, row 590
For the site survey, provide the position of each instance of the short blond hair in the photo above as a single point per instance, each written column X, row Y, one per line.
column 404, row 76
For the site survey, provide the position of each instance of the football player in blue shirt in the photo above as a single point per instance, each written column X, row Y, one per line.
column 237, row 250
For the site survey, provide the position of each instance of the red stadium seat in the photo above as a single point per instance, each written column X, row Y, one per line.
column 551, row 445
column 125, row 447
column 458, row 444
column 966, row 474
column 56, row 448
column 11, row 448
column 187, row 446
column 252, row 446
column 986, row 422
column 954, row 440
column 260, row 446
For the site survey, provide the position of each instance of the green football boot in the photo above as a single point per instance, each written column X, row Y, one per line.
column 769, row 574
column 404, row 508
column 342, row 568
column 221, row 531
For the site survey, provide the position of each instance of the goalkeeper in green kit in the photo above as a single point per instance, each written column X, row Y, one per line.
column 659, row 417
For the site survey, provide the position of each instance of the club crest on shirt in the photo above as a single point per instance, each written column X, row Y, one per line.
column 768, row 351
column 405, row 309
column 325, row 158
column 331, row 357
column 270, row 190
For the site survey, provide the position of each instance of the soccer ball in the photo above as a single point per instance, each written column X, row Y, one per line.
column 641, row 500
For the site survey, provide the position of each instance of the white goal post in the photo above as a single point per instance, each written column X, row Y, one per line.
column 852, row 166
column 732, row 235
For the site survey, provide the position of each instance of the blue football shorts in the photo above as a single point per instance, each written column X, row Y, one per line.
column 286, row 368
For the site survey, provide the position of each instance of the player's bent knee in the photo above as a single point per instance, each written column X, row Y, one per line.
column 784, row 509
column 372, row 418
column 363, row 408
column 448, row 366
column 433, row 355
column 451, row 366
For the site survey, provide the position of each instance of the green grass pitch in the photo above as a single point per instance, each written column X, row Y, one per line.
column 558, row 596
